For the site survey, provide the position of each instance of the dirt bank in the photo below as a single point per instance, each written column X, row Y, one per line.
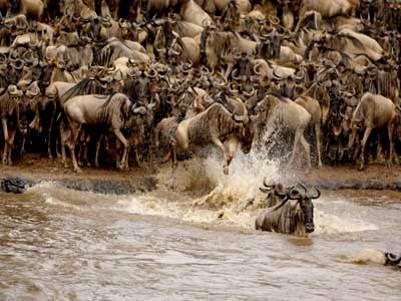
column 37, row 169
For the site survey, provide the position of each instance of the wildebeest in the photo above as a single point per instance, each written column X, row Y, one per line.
column 278, row 114
column 10, row 102
column 216, row 125
column 374, row 111
column 313, row 107
column 292, row 215
column 379, row 257
column 97, row 110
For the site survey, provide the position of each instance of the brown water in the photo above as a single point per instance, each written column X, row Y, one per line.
column 58, row 244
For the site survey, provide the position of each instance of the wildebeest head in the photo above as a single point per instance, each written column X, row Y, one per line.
column 303, row 207
column 247, row 137
column 274, row 194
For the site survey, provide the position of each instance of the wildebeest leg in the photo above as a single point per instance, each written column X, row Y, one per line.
column 5, row 152
column 75, row 129
column 137, row 157
column 390, row 131
column 98, row 144
column 65, row 135
column 5, row 132
column 10, row 146
column 232, row 149
column 49, row 138
column 120, row 136
column 230, row 67
column 216, row 141
column 173, row 156
column 22, row 151
column 364, row 140
column 297, row 140
column 318, row 145
column 306, row 146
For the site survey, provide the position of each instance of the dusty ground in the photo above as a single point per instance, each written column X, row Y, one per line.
column 37, row 169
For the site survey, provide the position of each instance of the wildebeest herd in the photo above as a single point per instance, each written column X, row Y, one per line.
column 106, row 79
column 109, row 79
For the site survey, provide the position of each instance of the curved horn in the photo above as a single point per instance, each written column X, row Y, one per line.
column 122, row 23
column 295, row 194
column 233, row 74
column 274, row 20
column 301, row 77
column 314, row 196
column 18, row 64
column 152, row 74
column 27, row 58
column 255, row 69
column 276, row 76
column 393, row 258
column 252, row 93
column 205, row 70
column 270, row 187
column 239, row 119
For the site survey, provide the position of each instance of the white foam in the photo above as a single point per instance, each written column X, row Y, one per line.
column 332, row 224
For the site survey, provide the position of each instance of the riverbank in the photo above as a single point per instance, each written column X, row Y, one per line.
column 38, row 169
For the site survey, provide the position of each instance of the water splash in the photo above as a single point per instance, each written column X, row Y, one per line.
column 332, row 224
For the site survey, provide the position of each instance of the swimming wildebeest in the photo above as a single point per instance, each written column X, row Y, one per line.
column 293, row 213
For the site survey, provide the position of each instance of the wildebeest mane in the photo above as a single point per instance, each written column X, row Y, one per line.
column 82, row 88
column 111, row 109
column 3, row 92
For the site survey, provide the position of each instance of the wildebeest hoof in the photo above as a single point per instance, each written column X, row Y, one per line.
column 226, row 170
column 78, row 170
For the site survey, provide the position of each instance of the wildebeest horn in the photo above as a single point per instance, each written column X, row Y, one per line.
column 27, row 58
column 3, row 58
column 274, row 20
column 393, row 258
column 276, row 76
column 295, row 194
column 255, row 69
column 238, row 118
column 205, row 70
column 152, row 74
column 18, row 64
column 122, row 23
column 270, row 187
column 253, row 91
column 314, row 196
column 302, row 76
column 233, row 74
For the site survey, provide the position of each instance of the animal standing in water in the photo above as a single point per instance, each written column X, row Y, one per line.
column 293, row 212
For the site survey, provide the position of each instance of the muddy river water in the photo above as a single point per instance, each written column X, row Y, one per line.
column 59, row 244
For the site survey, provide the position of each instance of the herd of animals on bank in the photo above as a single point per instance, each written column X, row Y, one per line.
column 154, row 79
column 158, row 78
